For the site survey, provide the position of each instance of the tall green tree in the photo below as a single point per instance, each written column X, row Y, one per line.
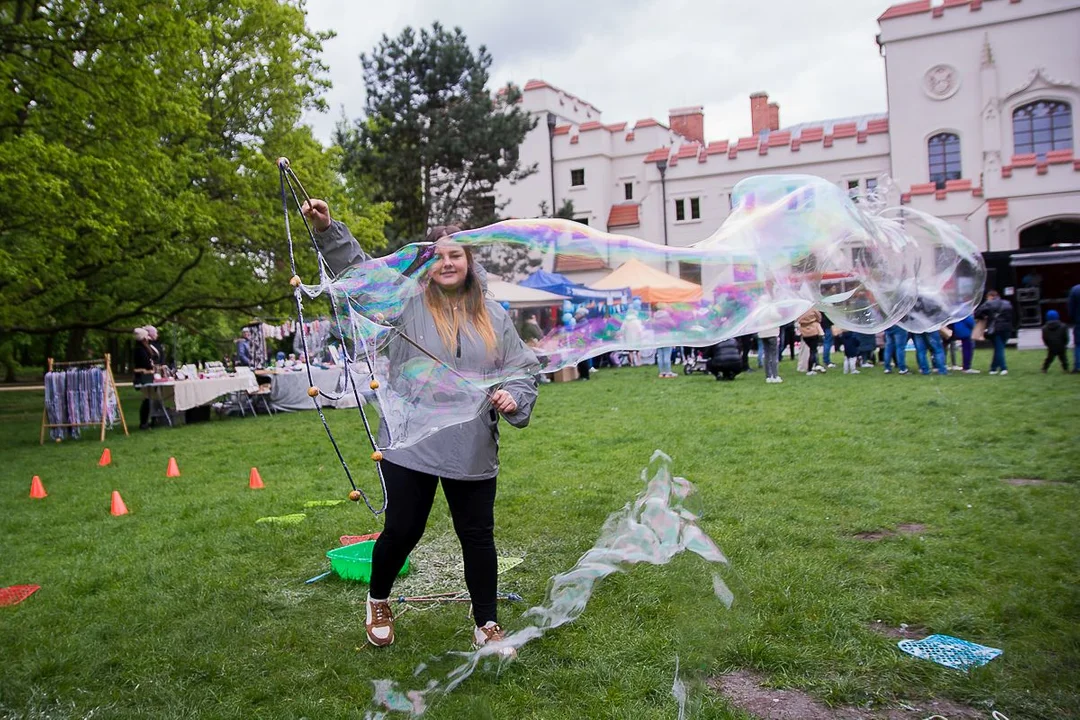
column 434, row 139
column 138, row 141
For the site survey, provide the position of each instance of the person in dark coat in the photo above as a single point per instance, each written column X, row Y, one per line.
column 1074, row 318
column 1056, row 338
column 852, row 344
column 142, row 366
column 724, row 360
column 998, row 314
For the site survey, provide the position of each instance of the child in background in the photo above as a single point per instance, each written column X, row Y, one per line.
column 1056, row 338
column 852, row 346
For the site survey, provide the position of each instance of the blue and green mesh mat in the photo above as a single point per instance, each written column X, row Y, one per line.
column 949, row 651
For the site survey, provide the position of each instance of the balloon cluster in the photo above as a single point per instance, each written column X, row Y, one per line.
column 792, row 242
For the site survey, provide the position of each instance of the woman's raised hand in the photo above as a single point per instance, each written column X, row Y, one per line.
column 318, row 213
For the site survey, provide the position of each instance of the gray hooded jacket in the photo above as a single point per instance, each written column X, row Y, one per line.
column 470, row 450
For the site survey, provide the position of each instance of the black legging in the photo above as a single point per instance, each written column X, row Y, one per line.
column 812, row 343
column 409, row 495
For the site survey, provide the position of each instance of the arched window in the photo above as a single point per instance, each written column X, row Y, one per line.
column 1042, row 126
column 944, row 152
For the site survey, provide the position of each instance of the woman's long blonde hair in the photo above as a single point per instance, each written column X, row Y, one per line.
column 470, row 313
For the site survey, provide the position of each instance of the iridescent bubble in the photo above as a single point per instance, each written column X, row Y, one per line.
column 951, row 272
column 792, row 242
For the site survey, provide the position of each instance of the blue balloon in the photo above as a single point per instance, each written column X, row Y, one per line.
column 567, row 306
column 505, row 305
column 568, row 319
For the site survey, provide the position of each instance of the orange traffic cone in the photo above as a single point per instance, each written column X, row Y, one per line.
column 106, row 458
column 37, row 490
column 254, row 481
column 118, row 506
column 174, row 469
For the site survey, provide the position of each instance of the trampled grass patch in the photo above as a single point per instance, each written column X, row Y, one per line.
column 187, row 607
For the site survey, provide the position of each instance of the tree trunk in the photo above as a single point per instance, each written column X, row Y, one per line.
column 76, row 340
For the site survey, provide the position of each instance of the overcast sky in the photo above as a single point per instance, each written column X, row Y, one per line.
column 638, row 58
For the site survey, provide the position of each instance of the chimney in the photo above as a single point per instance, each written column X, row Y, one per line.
column 764, row 115
column 759, row 112
column 688, row 122
column 774, row 116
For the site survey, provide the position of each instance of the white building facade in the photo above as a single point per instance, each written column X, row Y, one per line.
column 980, row 130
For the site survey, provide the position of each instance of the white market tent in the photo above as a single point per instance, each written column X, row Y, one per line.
column 521, row 297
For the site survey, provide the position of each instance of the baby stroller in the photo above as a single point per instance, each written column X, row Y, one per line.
column 695, row 361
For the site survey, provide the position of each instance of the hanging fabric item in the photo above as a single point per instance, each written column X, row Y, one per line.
column 78, row 396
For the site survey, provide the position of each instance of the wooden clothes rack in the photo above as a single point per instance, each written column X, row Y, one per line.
column 109, row 386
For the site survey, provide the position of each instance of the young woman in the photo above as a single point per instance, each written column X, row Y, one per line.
column 453, row 322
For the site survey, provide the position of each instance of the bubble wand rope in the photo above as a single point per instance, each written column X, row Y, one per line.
column 284, row 170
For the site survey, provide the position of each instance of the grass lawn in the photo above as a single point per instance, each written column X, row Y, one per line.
column 188, row 608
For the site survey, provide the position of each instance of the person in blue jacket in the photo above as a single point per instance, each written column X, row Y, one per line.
column 962, row 332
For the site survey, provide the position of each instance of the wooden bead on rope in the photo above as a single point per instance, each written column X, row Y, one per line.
column 374, row 384
column 295, row 281
column 355, row 496
column 283, row 162
column 376, row 456
column 312, row 391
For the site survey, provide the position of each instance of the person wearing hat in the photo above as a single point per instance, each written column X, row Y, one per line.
column 1056, row 338
column 143, row 372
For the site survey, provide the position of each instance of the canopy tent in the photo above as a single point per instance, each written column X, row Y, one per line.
column 649, row 284
column 522, row 297
column 562, row 285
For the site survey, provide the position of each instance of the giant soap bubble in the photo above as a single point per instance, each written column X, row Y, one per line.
column 791, row 243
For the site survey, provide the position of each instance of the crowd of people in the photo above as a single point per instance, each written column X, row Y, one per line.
column 813, row 342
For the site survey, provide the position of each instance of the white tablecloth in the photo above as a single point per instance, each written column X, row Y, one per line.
column 289, row 389
column 193, row 393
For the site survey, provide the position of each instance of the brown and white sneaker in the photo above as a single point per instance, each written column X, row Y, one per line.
column 492, row 632
column 379, row 623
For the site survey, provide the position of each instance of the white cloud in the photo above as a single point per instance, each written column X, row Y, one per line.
column 639, row 58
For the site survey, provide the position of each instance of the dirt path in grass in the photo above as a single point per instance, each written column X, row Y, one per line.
column 746, row 690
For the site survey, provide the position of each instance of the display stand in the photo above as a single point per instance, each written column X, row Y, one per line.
column 74, row 404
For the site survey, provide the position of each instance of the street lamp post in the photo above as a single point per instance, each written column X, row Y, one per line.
column 661, row 165
column 551, row 119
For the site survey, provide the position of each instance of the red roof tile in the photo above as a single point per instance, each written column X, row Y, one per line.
column 1059, row 156
column 908, row 8
column 571, row 263
column 561, row 130
column 812, row 134
column 630, row 136
column 747, row 143
column 647, row 122
column 573, row 139
column 623, row 215
column 881, row 125
column 998, row 207
column 845, row 130
column 594, row 125
column 716, row 147
column 658, row 154
column 777, row 139
column 617, row 127
column 953, row 185
column 540, row 85
column 923, row 188
column 1025, row 160
column 688, row 150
